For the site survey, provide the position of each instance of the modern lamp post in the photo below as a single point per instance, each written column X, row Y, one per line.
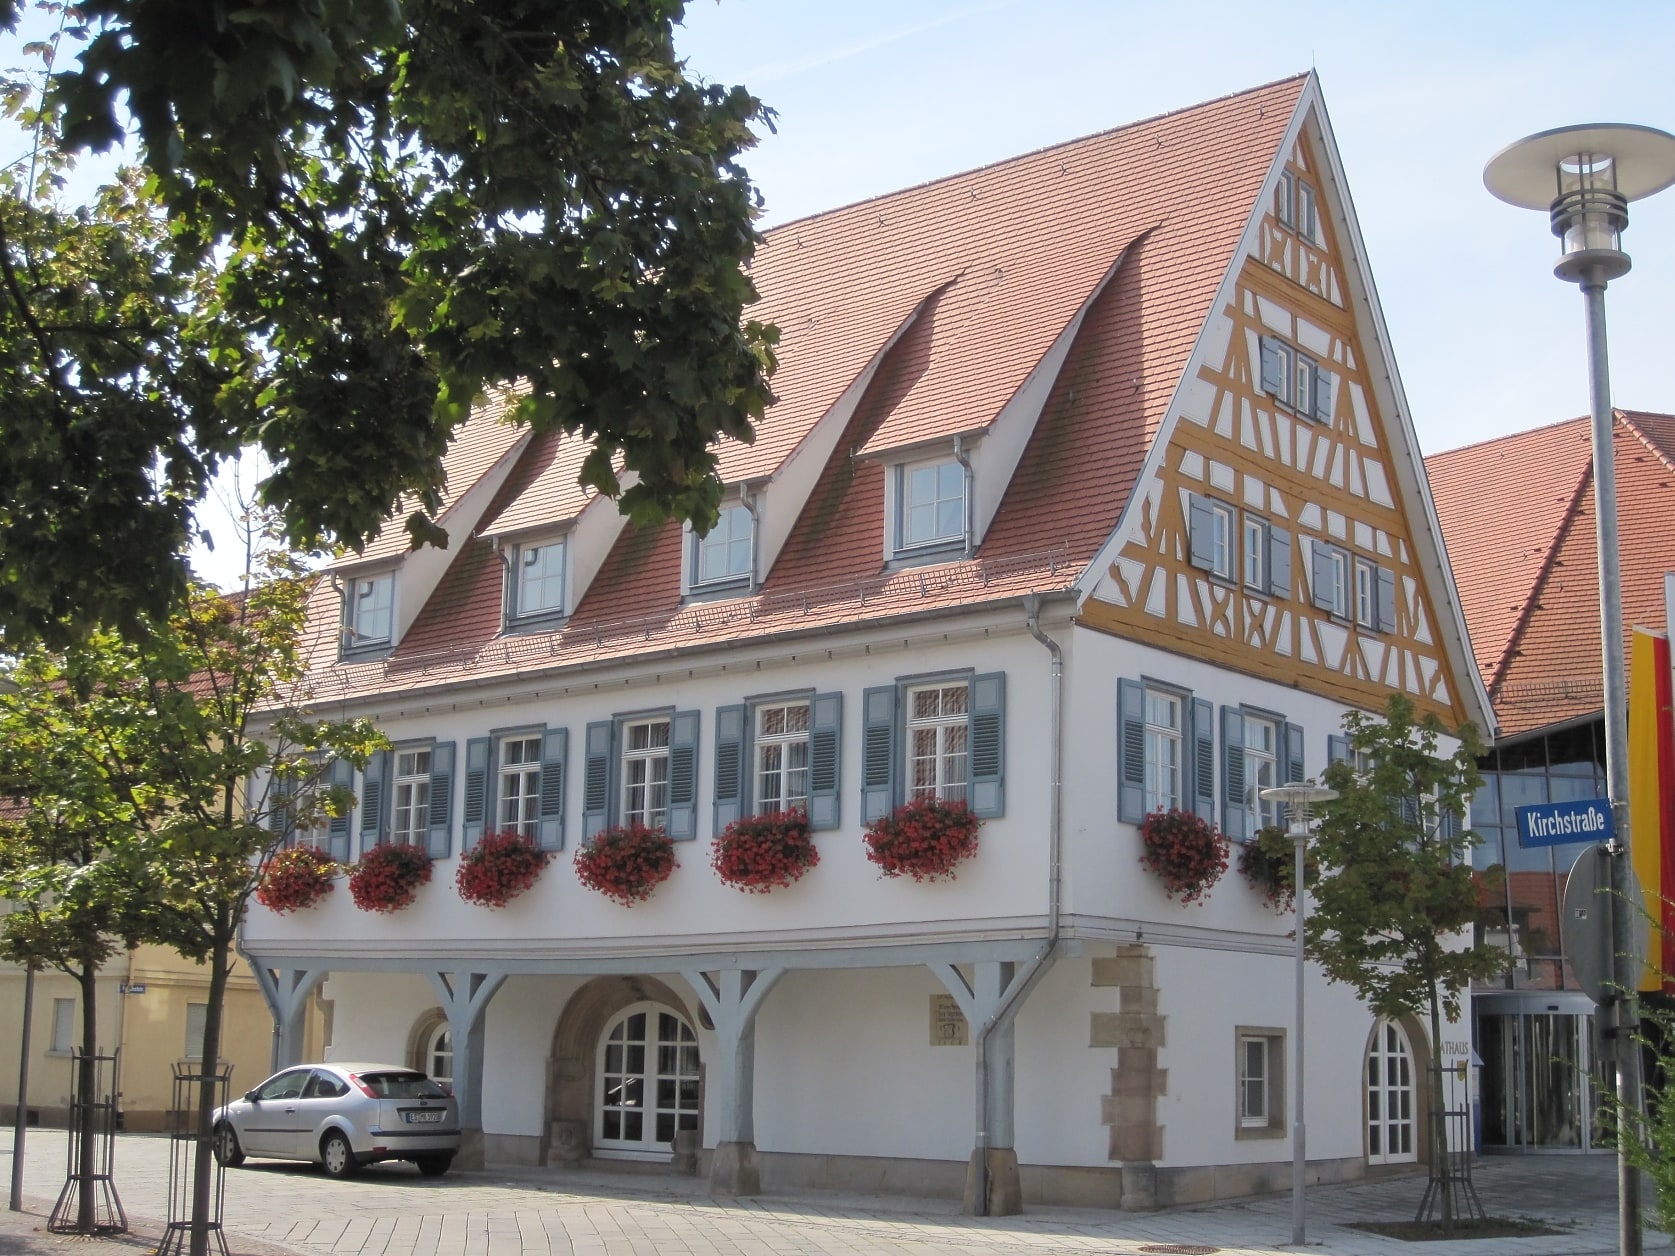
column 1585, row 176
column 1299, row 800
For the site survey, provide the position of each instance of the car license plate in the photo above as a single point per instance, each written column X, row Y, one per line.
column 432, row 1116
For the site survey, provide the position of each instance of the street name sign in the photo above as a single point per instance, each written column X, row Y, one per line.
column 1561, row 823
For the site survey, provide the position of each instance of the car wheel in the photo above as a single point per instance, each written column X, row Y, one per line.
column 335, row 1156
column 227, row 1150
column 434, row 1166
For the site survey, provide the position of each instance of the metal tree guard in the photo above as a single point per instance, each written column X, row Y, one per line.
column 108, row 1217
column 183, row 1144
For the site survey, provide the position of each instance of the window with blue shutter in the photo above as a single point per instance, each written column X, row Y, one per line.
column 1386, row 600
column 878, row 752
column 1279, row 561
column 337, row 827
column 281, row 815
column 987, row 740
column 1276, row 368
column 1337, row 749
column 1131, row 751
column 1292, row 741
column 439, row 832
column 478, row 752
column 549, row 832
column 372, row 800
column 1322, row 405
column 596, row 776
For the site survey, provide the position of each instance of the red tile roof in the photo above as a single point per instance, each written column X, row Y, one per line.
column 1015, row 249
column 1518, row 517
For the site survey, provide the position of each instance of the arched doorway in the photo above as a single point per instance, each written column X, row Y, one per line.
column 648, row 1085
column 1394, row 1097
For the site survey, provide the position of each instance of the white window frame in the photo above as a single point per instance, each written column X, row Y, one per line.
column 903, row 504
column 519, row 611
column 439, row 1047
column 517, row 794
column 410, row 795
column 645, row 772
column 196, row 1014
column 627, row 1092
column 1285, row 200
column 63, row 1040
column 1254, row 558
column 1286, row 394
column 1266, row 1117
column 1165, row 755
column 938, row 743
column 1342, row 588
column 1308, row 212
column 737, row 550
column 1366, row 593
column 359, row 635
column 1223, row 550
column 1262, row 813
column 780, row 755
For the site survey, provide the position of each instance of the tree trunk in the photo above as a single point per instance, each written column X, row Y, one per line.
column 1440, row 1168
column 203, row 1160
column 87, row 1081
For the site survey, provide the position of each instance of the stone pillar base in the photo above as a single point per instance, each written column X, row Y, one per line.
column 1139, row 1186
column 1006, row 1196
column 566, row 1142
column 470, row 1150
column 733, row 1170
column 684, row 1158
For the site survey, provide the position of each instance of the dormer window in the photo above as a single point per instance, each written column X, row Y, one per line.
column 368, row 614
column 723, row 557
column 929, row 508
column 535, row 582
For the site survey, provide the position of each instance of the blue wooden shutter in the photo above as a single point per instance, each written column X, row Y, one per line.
column 878, row 752
column 373, row 785
column 281, row 818
column 438, row 836
column 1202, row 531
column 986, row 737
column 730, row 769
column 1234, row 816
column 1279, row 561
column 825, row 738
column 476, row 791
column 1324, row 573
column 337, row 829
column 1291, row 746
column 1204, row 759
column 1386, row 600
column 683, row 776
column 1273, row 369
column 1131, row 751
column 1337, row 749
column 555, row 746
column 596, row 779
column 1322, row 401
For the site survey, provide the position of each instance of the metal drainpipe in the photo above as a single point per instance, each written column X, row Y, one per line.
column 747, row 496
column 961, row 457
column 1022, row 984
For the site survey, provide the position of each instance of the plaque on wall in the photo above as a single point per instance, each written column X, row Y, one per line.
column 948, row 1027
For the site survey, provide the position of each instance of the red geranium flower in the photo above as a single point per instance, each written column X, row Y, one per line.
column 498, row 868
column 295, row 878
column 388, row 877
column 925, row 839
column 626, row 862
column 1185, row 850
column 758, row 853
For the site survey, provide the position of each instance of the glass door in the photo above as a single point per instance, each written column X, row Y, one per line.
column 1535, row 1092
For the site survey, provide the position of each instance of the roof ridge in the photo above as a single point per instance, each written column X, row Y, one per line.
column 1627, row 419
column 1507, row 436
column 1034, row 152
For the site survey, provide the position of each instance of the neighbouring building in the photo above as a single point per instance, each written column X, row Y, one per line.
column 1090, row 491
column 1518, row 513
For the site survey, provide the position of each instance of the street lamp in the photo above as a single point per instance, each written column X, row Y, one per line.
column 1299, row 799
column 1585, row 176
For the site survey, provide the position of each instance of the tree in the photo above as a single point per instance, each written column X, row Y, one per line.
column 359, row 217
column 1396, row 900
column 158, row 733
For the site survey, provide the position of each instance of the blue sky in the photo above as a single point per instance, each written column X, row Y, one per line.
column 874, row 96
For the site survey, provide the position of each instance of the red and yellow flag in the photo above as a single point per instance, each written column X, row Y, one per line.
column 1651, row 798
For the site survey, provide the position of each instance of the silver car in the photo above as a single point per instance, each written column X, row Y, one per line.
column 342, row 1116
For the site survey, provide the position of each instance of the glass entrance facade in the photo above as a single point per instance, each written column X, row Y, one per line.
column 1536, row 1064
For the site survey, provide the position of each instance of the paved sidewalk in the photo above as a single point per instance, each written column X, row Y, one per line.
column 277, row 1209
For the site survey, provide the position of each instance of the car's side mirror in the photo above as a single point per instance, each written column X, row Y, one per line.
column 250, row 1096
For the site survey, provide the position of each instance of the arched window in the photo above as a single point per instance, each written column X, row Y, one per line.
column 1391, row 1128
column 439, row 1055
column 648, row 1081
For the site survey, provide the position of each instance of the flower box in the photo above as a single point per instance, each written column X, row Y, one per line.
column 626, row 862
column 925, row 839
column 1269, row 863
column 388, row 877
column 1186, row 851
column 757, row 854
column 498, row 868
column 295, row 878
